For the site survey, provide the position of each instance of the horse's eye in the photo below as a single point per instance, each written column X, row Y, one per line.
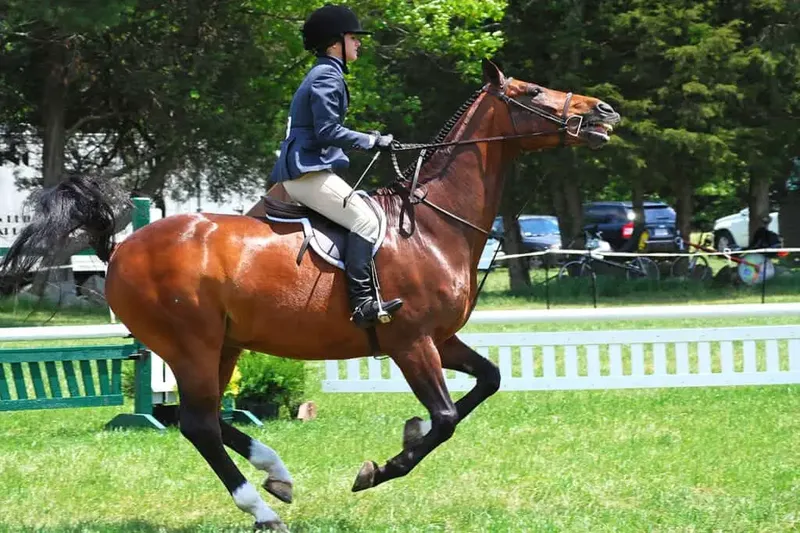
column 534, row 92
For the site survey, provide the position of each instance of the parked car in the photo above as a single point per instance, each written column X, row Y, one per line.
column 616, row 222
column 733, row 232
column 537, row 233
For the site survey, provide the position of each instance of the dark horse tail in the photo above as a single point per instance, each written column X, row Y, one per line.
column 74, row 205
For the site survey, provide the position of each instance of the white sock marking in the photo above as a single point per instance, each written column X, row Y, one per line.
column 247, row 499
column 265, row 458
column 425, row 427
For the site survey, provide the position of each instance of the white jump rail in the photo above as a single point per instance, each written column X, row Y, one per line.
column 635, row 313
column 50, row 333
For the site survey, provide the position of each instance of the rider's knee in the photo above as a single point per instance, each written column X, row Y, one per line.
column 367, row 226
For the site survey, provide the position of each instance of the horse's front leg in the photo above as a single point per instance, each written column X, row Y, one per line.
column 422, row 369
column 457, row 356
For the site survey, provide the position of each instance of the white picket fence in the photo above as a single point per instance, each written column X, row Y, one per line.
column 756, row 355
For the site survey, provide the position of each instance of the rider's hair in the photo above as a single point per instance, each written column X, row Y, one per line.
column 322, row 48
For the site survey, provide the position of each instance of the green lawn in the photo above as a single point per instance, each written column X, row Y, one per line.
column 710, row 459
column 24, row 314
column 615, row 291
column 661, row 460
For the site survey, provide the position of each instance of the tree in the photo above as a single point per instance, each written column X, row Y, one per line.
column 42, row 68
column 158, row 89
column 704, row 88
column 764, row 123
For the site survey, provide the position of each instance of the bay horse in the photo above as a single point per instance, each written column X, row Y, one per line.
column 199, row 288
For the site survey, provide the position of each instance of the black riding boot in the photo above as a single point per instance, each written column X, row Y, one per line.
column 360, row 289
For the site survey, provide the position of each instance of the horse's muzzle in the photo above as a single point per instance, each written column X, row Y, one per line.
column 598, row 125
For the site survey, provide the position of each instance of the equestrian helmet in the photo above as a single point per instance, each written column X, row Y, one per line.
column 328, row 24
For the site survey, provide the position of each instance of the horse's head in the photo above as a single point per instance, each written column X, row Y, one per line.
column 550, row 117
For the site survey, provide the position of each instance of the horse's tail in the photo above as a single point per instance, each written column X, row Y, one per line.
column 74, row 204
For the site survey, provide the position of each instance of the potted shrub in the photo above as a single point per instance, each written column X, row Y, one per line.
column 231, row 391
column 268, row 383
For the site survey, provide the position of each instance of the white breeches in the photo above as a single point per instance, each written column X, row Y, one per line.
column 325, row 192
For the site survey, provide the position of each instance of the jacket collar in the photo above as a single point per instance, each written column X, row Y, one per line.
column 329, row 60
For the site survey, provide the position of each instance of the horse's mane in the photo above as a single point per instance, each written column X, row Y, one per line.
column 446, row 129
column 444, row 132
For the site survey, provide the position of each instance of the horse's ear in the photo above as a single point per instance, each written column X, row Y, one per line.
column 492, row 73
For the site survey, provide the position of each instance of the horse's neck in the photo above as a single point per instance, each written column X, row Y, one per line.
column 468, row 180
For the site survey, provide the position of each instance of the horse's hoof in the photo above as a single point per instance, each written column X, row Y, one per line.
column 413, row 432
column 366, row 476
column 280, row 489
column 272, row 525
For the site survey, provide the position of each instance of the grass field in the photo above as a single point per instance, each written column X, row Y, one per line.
column 614, row 291
column 663, row 460
column 711, row 459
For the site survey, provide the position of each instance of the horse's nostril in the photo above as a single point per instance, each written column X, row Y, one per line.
column 605, row 108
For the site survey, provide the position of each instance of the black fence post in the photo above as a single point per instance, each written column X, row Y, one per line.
column 547, row 279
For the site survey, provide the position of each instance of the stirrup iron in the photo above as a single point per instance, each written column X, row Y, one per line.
column 383, row 316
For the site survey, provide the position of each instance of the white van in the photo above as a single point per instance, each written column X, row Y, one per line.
column 732, row 232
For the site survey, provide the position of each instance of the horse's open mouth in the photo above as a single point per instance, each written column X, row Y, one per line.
column 597, row 134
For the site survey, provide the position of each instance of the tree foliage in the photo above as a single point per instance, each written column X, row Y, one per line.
column 151, row 90
column 707, row 91
column 148, row 91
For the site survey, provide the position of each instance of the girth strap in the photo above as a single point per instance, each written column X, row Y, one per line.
column 304, row 247
column 374, row 345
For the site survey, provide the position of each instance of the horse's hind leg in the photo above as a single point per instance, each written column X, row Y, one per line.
column 198, row 384
column 278, row 481
column 422, row 369
column 458, row 356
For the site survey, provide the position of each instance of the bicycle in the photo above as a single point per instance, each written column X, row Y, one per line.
column 694, row 266
column 636, row 268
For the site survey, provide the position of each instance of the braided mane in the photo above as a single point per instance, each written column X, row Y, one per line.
column 408, row 172
column 396, row 184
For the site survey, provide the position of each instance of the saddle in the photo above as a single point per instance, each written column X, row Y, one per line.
column 327, row 238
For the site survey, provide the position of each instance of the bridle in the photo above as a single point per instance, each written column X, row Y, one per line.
column 568, row 125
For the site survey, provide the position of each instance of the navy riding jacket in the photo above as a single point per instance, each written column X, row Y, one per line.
column 315, row 137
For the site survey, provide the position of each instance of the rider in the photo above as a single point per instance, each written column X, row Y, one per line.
column 313, row 151
column 763, row 237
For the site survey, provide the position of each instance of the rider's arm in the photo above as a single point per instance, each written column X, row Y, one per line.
column 327, row 92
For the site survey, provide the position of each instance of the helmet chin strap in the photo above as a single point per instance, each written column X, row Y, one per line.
column 344, row 56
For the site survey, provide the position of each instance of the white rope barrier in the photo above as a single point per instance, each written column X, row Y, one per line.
column 726, row 253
